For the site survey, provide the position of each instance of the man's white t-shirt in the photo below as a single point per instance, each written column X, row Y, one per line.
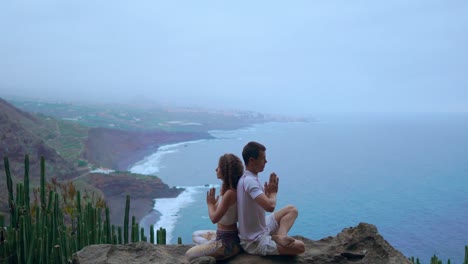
column 251, row 216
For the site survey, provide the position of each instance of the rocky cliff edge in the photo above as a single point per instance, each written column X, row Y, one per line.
column 361, row 245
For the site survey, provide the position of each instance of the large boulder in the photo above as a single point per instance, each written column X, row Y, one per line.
column 361, row 244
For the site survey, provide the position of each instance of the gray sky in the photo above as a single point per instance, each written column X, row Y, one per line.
column 270, row 56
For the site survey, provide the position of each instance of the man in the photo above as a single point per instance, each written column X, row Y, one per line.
column 258, row 234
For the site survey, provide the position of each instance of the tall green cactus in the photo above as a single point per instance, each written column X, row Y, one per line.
column 26, row 182
column 465, row 261
column 108, row 227
column 20, row 237
column 119, row 235
column 114, row 236
column 161, row 236
column 142, row 234
column 99, row 239
column 79, row 234
column 11, row 203
column 127, row 212
column 43, row 193
column 134, row 231
column 152, row 234
column 38, row 233
column 158, row 236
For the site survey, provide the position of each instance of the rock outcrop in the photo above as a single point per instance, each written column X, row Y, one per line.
column 361, row 244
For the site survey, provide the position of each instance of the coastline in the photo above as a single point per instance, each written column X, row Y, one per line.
column 119, row 149
column 167, row 211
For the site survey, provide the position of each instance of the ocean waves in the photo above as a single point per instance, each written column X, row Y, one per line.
column 170, row 208
column 151, row 164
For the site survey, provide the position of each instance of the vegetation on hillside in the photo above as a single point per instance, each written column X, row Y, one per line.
column 65, row 137
column 149, row 117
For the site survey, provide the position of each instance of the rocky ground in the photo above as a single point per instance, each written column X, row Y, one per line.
column 361, row 245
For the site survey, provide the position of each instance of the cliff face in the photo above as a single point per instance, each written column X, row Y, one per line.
column 119, row 149
column 360, row 245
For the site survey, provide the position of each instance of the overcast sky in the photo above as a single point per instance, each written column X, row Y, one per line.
column 268, row 56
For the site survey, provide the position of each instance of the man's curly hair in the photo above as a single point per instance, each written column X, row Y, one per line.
column 231, row 170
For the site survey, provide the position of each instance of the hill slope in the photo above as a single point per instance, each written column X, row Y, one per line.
column 18, row 138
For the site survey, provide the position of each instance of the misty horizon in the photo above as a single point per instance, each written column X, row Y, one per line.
column 268, row 57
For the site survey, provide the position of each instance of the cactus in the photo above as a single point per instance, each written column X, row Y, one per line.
column 108, row 227
column 137, row 234
column 26, row 182
column 20, row 239
column 10, row 193
column 142, row 234
column 152, row 234
column 134, row 230
column 43, row 201
column 114, row 236
column 158, row 236
column 37, row 231
column 79, row 234
column 435, row 260
column 119, row 231
column 161, row 236
column 127, row 212
column 465, row 261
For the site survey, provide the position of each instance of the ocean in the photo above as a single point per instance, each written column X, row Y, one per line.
column 405, row 173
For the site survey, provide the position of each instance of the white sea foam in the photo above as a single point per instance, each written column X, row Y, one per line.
column 169, row 208
column 102, row 170
column 151, row 164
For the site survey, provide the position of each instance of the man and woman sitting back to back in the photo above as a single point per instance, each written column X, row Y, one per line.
column 240, row 212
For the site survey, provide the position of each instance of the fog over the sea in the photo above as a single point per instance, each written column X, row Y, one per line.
column 269, row 56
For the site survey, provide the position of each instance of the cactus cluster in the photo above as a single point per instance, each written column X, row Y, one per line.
column 436, row 260
column 41, row 232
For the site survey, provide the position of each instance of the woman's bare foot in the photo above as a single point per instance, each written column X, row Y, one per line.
column 284, row 241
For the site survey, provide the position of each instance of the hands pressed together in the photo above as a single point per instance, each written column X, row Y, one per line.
column 210, row 197
column 272, row 186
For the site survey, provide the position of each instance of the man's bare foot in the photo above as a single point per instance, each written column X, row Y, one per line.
column 284, row 241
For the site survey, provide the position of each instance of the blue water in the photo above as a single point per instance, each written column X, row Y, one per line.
column 406, row 173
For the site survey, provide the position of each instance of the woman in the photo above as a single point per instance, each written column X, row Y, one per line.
column 222, row 211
